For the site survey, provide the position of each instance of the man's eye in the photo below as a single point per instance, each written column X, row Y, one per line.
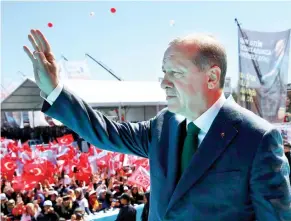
column 177, row 75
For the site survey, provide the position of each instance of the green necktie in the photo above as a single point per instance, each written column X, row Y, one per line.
column 190, row 145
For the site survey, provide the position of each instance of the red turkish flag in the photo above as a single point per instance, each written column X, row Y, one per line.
column 84, row 169
column 115, row 162
column 33, row 171
column 66, row 140
column 103, row 158
column 140, row 177
column 12, row 147
column 8, row 166
column 18, row 183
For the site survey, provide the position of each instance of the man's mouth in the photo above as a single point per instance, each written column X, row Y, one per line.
column 170, row 96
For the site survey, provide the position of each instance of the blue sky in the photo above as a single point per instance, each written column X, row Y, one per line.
column 132, row 41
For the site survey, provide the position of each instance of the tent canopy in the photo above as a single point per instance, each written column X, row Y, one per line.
column 96, row 93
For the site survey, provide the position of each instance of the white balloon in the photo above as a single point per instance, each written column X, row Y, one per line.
column 172, row 22
column 92, row 13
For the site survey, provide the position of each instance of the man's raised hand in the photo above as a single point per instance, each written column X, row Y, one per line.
column 45, row 67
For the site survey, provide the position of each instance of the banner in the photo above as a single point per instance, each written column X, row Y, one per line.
column 27, row 119
column 263, row 72
column 74, row 70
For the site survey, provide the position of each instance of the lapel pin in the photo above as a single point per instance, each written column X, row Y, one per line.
column 222, row 135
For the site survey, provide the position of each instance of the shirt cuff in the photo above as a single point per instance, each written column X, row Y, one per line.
column 51, row 98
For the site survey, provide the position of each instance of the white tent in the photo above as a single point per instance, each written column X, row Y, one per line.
column 26, row 97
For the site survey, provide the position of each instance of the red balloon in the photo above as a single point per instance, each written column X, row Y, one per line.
column 113, row 10
column 50, row 24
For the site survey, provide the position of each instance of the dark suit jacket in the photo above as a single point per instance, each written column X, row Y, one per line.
column 238, row 173
column 127, row 213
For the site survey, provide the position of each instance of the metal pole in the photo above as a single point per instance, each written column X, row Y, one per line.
column 255, row 63
column 103, row 66
column 119, row 112
column 64, row 58
column 32, row 119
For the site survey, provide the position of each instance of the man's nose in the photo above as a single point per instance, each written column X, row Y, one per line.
column 166, row 83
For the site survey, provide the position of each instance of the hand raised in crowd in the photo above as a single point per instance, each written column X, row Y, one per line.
column 45, row 67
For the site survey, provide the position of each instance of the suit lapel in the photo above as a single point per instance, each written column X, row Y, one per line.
column 219, row 136
column 176, row 135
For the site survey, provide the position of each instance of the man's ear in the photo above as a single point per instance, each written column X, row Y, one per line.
column 213, row 77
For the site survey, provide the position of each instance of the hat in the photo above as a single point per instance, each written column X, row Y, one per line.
column 3, row 196
column 67, row 196
column 92, row 192
column 11, row 201
column 125, row 196
column 47, row 203
column 79, row 210
column 53, row 192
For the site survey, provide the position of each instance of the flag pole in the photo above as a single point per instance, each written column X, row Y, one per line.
column 255, row 63
column 103, row 66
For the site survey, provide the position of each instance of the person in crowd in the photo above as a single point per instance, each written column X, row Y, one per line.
column 48, row 213
column 9, row 191
column 26, row 198
column 4, row 208
column 94, row 205
column 31, row 212
column 72, row 194
column 105, row 199
column 73, row 217
column 146, row 208
column 52, row 195
column 40, row 199
column 10, row 205
column 79, row 214
column 126, row 189
column 116, row 190
column 137, row 198
column 246, row 151
column 81, row 200
column 127, row 212
column 115, row 204
column 67, row 208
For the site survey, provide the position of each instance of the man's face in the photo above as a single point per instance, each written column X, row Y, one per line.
column 46, row 208
column 10, row 205
column 123, row 201
column 184, row 83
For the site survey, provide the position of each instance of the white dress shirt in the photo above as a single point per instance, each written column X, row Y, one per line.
column 53, row 95
column 205, row 121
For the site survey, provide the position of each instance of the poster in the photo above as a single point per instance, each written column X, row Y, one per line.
column 263, row 72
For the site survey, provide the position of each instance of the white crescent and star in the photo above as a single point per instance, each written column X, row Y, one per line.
column 7, row 167
column 64, row 140
column 35, row 171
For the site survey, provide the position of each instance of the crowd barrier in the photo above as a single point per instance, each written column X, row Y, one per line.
column 112, row 215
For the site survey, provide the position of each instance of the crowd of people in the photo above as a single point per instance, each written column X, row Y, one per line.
column 69, row 199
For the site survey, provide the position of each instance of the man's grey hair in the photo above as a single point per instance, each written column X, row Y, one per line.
column 209, row 52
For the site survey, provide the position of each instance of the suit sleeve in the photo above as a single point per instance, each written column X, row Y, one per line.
column 269, row 182
column 128, row 138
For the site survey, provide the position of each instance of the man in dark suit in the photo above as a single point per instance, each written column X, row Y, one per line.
column 287, row 150
column 127, row 212
column 210, row 158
